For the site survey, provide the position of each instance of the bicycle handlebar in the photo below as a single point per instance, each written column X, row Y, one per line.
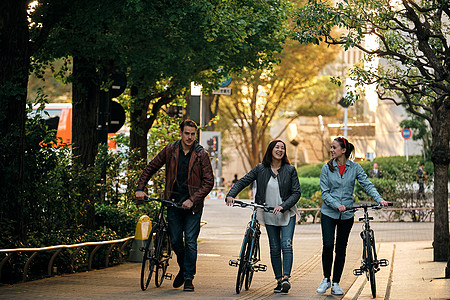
column 365, row 206
column 245, row 204
column 164, row 201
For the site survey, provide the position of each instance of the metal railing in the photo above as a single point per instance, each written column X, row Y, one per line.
column 10, row 253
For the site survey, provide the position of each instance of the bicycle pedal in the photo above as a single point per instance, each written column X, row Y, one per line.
column 261, row 268
column 357, row 272
column 168, row 276
column 383, row 262
column 233, row 263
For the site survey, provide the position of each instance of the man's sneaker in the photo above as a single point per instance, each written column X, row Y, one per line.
column 179, row 280
column 278, row 288
column 336, row 289
column 324, row 286
column 188, row 286
column 285, row 285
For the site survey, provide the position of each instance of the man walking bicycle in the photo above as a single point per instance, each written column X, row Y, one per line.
column 189, row 179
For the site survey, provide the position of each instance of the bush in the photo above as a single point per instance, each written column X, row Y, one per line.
column 309, row 186
column 385, row 187
column 391, row 167
column 122, row 219
column 310, row 170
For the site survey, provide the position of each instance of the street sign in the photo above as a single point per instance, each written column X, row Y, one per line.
column 222, row 91
column 406, row 133
column 226, row 82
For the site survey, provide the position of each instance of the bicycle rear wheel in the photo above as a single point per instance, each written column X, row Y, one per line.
column 254, row 258
column 148, row 261
column 164, row 251
column 370, row 249
column 243, row 261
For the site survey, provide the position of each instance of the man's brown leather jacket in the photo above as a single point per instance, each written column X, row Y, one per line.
column 200, row 173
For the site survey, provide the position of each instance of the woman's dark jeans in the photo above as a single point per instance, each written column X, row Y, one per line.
column 280, row 239
column 342, row 229
column 184, row 222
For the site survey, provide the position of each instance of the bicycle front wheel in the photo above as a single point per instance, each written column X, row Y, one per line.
column 254, row 259
column 148, row 261
column 370, row 250
column 243, row 261
column 164, row 252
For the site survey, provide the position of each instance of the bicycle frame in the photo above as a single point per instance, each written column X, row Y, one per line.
column 254, row 228
column 370, row 263
column 156, row 259
column 249, row 255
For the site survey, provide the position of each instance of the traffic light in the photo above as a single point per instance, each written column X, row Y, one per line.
column 212, row 146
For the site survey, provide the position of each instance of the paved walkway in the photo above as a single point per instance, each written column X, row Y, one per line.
column 411, row 275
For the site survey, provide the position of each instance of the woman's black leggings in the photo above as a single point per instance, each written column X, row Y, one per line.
column 342, row 229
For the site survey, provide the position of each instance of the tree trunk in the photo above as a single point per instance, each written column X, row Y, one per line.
column 440, row 155
column 14, row 68
column 85, row 99
column 139, row 127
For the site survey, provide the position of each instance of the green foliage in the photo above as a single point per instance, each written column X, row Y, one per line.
column 394, row 166
column 309, row 186
column 387, row 188
column 310, row 170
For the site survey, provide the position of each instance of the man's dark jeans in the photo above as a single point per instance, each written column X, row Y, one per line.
column 183, row 223
column 342, row 229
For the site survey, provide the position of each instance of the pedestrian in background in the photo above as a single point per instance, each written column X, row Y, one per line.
column 234, row 180
column 277, row 186
column 337, row 181
column 421, row 177
column 189, row 179
column 375, row 172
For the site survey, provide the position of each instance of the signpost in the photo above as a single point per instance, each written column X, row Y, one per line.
column 406, row 134
column 222, row 91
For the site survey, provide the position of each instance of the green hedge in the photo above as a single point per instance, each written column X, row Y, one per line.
column 386, row 188
column 309, row 186
column 310, row 170
column 390, row 167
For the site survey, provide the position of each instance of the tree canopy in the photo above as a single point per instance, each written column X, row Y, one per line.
column 261, row 96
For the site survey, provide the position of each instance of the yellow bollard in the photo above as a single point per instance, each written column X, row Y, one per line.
column 143, row 228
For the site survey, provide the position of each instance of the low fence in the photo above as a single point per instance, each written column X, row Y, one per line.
column 389, row 211
column 58, row 249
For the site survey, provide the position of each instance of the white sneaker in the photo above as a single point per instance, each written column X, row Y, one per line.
column 324, row 286
column 336, row 289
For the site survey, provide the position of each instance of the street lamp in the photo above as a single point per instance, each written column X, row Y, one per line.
column 292, row 136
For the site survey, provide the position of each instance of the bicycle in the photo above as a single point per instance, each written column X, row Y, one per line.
column 370, row 263
column 157, row 250
column 250, row 249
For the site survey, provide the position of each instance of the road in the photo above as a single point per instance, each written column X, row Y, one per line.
column 219, row 241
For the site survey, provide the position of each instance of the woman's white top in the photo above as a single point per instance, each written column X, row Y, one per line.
column 273, row 199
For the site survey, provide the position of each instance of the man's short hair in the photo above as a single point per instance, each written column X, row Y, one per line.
column 189, row 123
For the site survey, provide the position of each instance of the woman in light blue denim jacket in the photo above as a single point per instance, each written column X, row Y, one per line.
column 337, row 181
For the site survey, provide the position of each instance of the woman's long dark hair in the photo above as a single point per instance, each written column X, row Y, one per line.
column 267, row 159
column 345, row 144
